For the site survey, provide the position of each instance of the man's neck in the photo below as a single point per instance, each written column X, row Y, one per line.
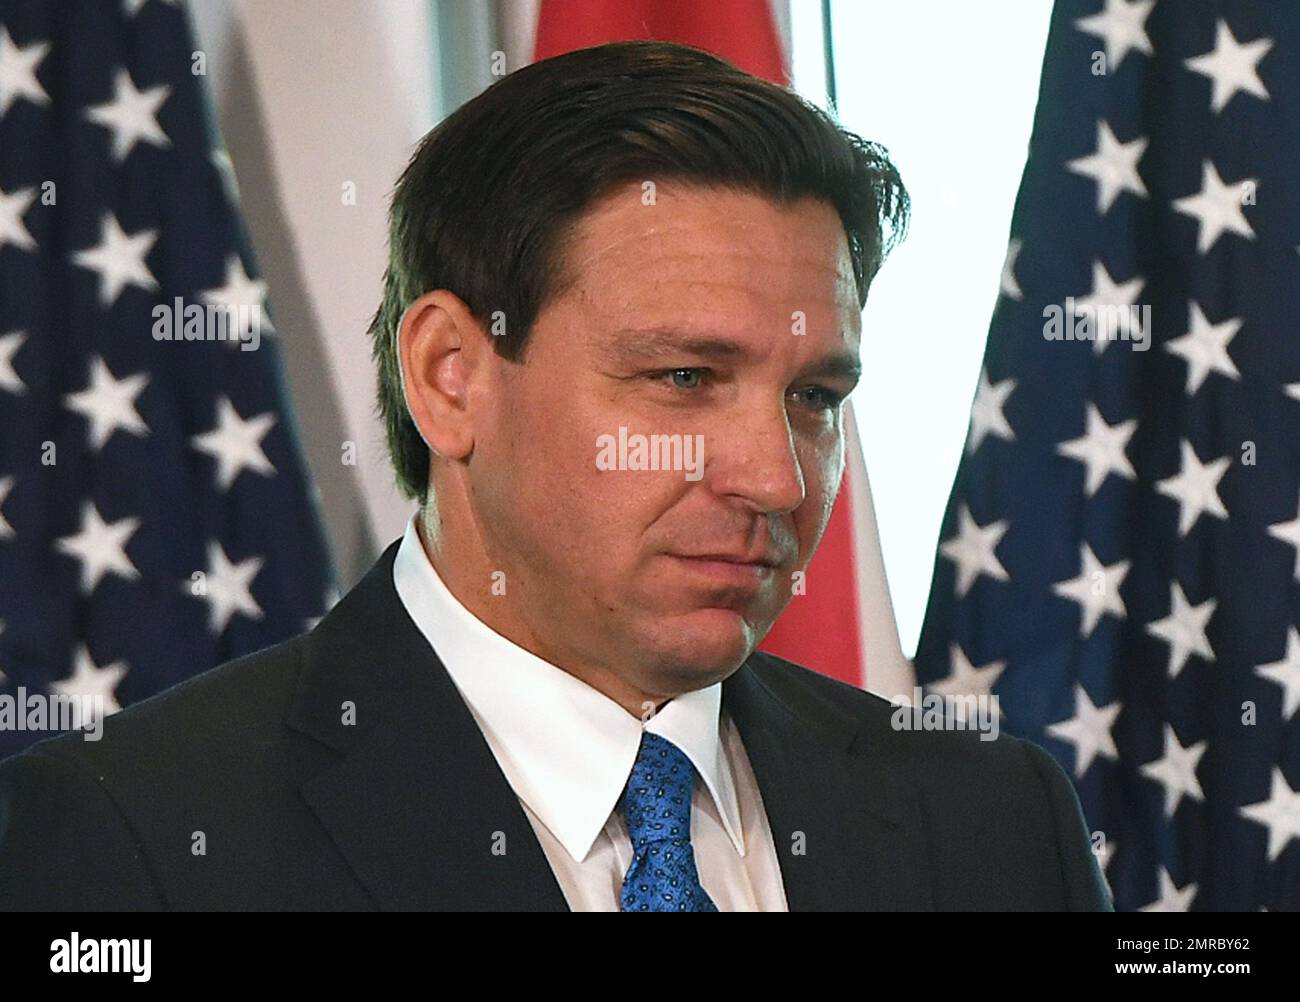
column 638, row 703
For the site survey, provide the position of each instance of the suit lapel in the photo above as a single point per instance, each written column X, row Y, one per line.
column 426, row 820
column 416, row 803
column 849, row 834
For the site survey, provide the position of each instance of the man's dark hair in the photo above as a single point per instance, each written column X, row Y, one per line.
column 486, row 203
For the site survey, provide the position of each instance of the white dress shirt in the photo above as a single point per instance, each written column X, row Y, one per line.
column 567, row 750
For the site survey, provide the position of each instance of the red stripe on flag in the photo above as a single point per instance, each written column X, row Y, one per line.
column 819, row 629
column 741, row 31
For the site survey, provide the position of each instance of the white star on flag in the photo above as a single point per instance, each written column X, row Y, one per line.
column 236, row 443
column 119, row 259
column 1113, row 166
column 1010, row 284
column 1195, row 488
column 1108, row 306
column 225, row 586
column 1089, row 730
column 88, row 680
column 109, row 403
column 1171, row 899
column 965, row 679
column 1280, row 813
column 1122, row 25
column 242, row 295
column 1286, row 673
column 6, row 485
column 1104, row 852
column 18, row 71
column 1217, row 207
column 1176, row 771
column 131, row 115
column 100, row 547
column 1289, row 532
column 1101, row 449
column 972, row 550
column 986, row 417
column 1205, row 347
column 1096, row 589
column 9, row 345
column 1184, row 629
column 12, row 207
column 132, row 7
column 1231, row 66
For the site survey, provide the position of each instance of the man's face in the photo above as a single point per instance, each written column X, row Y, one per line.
column 710, row 313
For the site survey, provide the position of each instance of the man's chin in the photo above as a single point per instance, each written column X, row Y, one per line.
column 705, row 645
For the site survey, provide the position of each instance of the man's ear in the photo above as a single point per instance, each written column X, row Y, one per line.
column 439, row 345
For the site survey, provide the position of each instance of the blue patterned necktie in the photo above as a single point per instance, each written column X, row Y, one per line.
column 657, row 808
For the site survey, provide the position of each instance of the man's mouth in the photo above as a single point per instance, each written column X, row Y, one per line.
column 745, row 572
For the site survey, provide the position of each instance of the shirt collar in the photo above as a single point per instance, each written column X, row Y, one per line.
column 566, row 747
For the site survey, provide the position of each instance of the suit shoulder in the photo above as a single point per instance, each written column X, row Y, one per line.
column 210, row 715
column 895, row 729
column 793, row 682
column 59, row 830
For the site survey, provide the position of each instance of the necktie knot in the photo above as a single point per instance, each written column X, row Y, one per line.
column 657, row 799
column 657, row 809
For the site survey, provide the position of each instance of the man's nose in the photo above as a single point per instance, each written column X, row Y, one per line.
column 754, row 460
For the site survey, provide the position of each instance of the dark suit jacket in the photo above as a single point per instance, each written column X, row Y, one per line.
column 402, row 809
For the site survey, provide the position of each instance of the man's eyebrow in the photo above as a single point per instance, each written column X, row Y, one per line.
column 670, row 344
column 663, row 342
column 844, row 366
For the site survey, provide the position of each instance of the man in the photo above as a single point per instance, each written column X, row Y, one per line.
column 620, row 319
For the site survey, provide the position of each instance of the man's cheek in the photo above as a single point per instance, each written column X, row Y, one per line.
column 812, row 517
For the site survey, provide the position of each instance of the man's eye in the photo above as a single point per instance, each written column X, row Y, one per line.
column 819, row 397
column 682, row 379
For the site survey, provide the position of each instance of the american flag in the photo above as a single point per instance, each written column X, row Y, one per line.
column 155, row 514
column 1120, row 558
